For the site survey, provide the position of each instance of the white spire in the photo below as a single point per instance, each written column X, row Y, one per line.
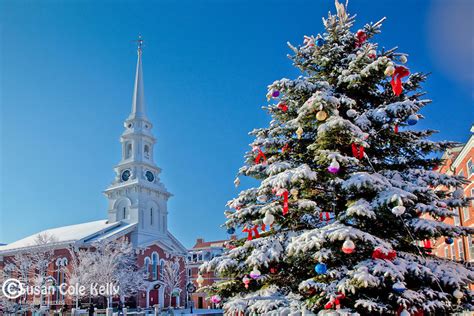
column 138, row 101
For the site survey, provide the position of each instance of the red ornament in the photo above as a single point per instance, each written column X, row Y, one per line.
column 282, row 106
column 260, row 155
column 273, row 270
column 427, row 246
column 358, row 151
column 395, row 128
column 336, row 302
column 379, row 254
column 285, row 148
column 396, row 81
column 442, row 218
column 361, row 37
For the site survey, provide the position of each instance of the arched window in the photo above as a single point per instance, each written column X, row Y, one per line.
column 124, row 212
column 147, row 267
column 146, row 151
column 162, row 267
column 154, row 259
column 128, row 150
column 151, row 216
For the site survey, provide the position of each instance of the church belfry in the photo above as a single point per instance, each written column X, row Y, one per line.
column 136, row 195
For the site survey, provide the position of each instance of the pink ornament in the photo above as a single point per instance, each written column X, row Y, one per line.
column 255, row 273
column 348, row 246
column 334, row 167
column 246, row 281
column 216, row 299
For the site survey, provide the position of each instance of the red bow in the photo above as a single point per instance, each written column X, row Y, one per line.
column 336, row 302
column 379, row 254
column 324, row 216
column 284, row 193
column 260, row 155
column 251, row 232
column 361, row 38
column 282, row 106
column 358, row 151
column 396, row 81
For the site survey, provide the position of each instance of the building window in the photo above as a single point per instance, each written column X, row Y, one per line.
column 465, row 214
column 456, row 217
column 453, row 256
column 446, row 252
column 146, row 151
column 470, row 168
column 154, row 259
column 162, row 267
column 472, row 195
column 151, row 216
column 128, row 150
column 147, row 266
column 471, row 248
column 460, row 250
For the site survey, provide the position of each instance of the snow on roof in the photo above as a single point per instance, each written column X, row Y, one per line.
column 61, row 235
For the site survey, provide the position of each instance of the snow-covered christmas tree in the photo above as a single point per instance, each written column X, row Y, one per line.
column 348, row 195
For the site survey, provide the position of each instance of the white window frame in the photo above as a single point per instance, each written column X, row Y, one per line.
column 457, row 219
column 446, row 252
column 453, row 255
column 469, row 167
column 465, row 214
column 460, row 249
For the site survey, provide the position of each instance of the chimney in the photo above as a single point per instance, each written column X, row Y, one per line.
column 199, row 240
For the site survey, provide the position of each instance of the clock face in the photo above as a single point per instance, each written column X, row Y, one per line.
column 125, row 175
column 149, row 176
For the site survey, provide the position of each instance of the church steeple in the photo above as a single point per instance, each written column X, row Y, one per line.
column 137, row 195
column 138, row 101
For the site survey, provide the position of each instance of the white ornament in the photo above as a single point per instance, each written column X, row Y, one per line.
column 294, row 192
column 403, row 59
column 200, row 280
column 351, row 113
column 398, row 210
column 268, row 219
column 237, row 182
column 262, row 198
column 458, row 294
column 389, row 70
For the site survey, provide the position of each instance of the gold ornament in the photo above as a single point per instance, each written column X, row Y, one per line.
column 403, row 59
column 321, row 115
column 294, row 192
column 299, row 132
column 389, row 70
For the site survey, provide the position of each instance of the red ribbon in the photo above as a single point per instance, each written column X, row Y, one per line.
column 251, row 232
column 260, row 155
column 379, row 254
column 358, row 151
column 427, row 245
column 325, row 215
column 283, row 107
column 335, row 302
column 284, row 193
column 361, row 38
column 396, row 81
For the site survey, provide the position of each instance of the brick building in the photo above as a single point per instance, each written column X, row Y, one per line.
column 203, row 251
column 137, row 210
column 460, row 161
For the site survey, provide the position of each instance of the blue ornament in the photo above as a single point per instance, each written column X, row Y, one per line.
column 412, row 119
column 449, row 240
column 320, row 42
column 321, row 268
column 230, row 230
column 399, row 287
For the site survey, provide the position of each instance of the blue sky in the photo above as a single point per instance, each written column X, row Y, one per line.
column 67, row 72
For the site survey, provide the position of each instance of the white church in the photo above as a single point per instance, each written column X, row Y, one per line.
column 137, row 209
